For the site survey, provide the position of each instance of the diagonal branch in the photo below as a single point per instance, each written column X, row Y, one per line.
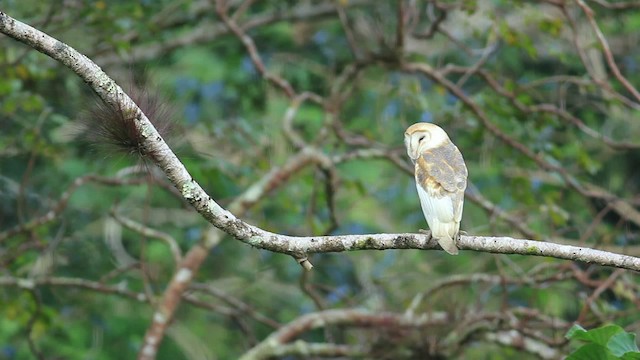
column 247, row 41
column 607, row 50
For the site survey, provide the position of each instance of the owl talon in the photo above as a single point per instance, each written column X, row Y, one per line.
column 425, row 232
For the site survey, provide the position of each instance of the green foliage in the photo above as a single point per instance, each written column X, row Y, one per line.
column 229, row 134
column 605, row 342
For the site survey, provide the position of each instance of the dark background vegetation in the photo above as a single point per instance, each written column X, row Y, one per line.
column 525, row 89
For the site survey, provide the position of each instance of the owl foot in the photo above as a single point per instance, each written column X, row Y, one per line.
column 460, row 233
column 425, row 232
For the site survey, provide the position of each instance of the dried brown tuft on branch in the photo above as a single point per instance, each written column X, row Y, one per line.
column 113, row 130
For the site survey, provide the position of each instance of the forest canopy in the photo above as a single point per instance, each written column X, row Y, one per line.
column 228, row 198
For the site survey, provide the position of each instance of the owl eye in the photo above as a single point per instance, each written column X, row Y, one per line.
column 421, row 138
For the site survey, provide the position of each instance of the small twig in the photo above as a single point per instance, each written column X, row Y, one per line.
column 351, row 39
column 236, row 303
column 622, row 5
column 32, row 320
column 607, row 50
column 287, row 121
column 588, row 66
column 64, row 199
column 400, row 25
column 150, row 232
column 247, row 41
column 492, row 45
column 304, row 262
column 436, row 21
column 596, row 294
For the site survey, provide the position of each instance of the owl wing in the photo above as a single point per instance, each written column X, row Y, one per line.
column 442, row 174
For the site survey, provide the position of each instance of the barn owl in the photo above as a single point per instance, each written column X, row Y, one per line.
column 441, row 177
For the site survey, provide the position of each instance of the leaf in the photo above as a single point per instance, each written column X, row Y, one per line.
column 591, row 352
column 623, row 343
column 631, row 356
column 598, row 336
column 574, row 330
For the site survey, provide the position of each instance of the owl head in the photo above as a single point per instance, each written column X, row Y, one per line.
column 423, row 136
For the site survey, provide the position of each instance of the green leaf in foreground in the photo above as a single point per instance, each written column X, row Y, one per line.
column 605, row 342
column 591, row 352
column 598, row 336
column 623, row 343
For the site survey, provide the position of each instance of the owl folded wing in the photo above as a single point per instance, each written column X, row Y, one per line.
column 442, row 173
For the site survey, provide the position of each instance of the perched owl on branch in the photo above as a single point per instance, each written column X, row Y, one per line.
column 441, row 178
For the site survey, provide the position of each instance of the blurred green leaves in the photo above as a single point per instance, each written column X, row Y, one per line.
column 230, row 134
column 606, row 342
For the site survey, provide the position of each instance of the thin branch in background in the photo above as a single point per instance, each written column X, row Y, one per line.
column 152, row 233
column 348, row 32
column 594, row 224
column 64, row 199
column 117, row 272
column 490, row 48
column 21, row 204
column 236, row 303
column 331, row 182
column 618, row 5
column 544, row 108
column 309, row 290
column 242, row 9
column 35, row 296
column 401, row 22
column 602, row 82
column 247, row 41
column 352, row 318
column 207, row 33
column 607, row 50
column 171, row 298
column 8, row 257
column 30, row 284
column 596, row 294
column 287, row 121
column 436, row 21
column 455, row 41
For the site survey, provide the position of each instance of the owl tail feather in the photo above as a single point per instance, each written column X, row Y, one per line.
column 448, row 245
column 445, row 233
